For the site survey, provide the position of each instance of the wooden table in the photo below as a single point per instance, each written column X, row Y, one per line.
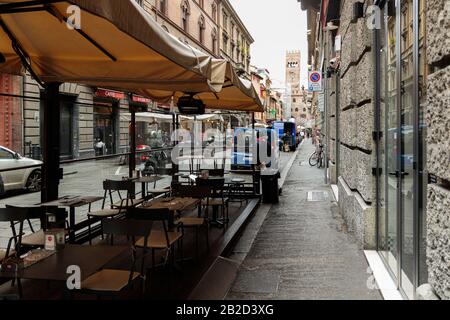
column 146, row 180
column 72, row 202
column 173, row 203
column 90, row 259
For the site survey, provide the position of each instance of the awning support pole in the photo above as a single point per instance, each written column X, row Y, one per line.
column 132, row 158
column 51, row 172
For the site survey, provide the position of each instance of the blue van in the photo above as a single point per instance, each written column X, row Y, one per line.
column 242, row 157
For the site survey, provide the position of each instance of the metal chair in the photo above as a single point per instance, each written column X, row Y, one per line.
column 35, row 239
column 115, row 208
column 216, row 199
column 113, row 281
column 164, row 239
column 196, row 192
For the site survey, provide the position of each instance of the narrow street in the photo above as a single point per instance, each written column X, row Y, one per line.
column 302, row 250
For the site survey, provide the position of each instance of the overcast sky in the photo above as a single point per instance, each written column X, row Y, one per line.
column 276, row 26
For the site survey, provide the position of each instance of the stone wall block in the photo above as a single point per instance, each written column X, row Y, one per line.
column 365, row 126
column 438, row 122
column 363, row 88
column 438, row 30
column 347, row 87
column 364, row 179
column 438, row 240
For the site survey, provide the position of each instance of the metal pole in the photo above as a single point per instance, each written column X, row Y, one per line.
column 132, row 159
column 325, row 137
column 51, row 173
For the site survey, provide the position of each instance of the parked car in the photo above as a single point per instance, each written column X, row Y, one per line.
column 28, row 179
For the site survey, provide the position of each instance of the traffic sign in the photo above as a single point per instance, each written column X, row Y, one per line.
column 315, row 81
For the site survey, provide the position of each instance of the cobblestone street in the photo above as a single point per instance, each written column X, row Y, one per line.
column 303, row 250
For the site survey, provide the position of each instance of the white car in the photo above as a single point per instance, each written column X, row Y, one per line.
column 28, row 179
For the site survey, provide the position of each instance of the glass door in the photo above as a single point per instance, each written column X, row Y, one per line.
column 406, row 155
column 389, row 184
column 402, row 183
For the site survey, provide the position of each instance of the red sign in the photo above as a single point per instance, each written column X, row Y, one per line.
column 110, row 94
column 139, row 99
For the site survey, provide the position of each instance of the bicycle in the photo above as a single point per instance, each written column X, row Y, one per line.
column 316, row 158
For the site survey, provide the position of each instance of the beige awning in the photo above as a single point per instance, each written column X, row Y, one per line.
column 238, row 94
column 119, row 46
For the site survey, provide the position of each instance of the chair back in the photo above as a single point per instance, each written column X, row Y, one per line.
column 111, row 186
column 216, row 185
column 13, row 214
column 165, row 216
column 118, row 185
column 196, row 192
column 131, row 229
column 17, row 215
column 215, row 172
column 144, row 214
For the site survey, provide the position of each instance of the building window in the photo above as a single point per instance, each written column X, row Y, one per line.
column 163, row 6
column 201, row 29
column 201, row 3
column 225, row 44
column 214, row 41
column 225, row 21
column 185, row 12
column 214, row 12
column 140, row 2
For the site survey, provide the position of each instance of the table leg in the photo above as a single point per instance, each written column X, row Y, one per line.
column 72, row 225
column 143, row 189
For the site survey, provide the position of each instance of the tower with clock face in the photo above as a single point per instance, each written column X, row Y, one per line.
column 293, row 73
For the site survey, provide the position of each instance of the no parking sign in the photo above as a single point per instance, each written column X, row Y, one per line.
column 315, row 81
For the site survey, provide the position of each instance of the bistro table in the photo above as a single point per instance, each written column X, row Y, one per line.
column 72, row 202
column 174, row 204
column 89, row 259
column 145, row 181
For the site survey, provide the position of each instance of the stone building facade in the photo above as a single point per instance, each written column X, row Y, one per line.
column 212, row 26
column 385, row 122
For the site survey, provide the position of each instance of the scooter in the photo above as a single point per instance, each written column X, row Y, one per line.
column 152, row 161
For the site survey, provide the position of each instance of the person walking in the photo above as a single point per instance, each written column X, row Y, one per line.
column 99, row 147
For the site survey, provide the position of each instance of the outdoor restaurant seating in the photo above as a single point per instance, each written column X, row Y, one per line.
column 198, row 222
column 35, row 239
column 115, row 280
column 158, row 191
column 164, row 239
column 115, row 208
column 216, row 200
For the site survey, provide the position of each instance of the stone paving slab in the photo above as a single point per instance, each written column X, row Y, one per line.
column 305, row 245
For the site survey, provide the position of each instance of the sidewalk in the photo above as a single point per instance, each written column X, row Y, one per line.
column 302, row 249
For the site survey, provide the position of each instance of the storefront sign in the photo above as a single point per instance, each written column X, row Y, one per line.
column 321, row 102
column 315, row 81
column 110, row 94
column 139, row 99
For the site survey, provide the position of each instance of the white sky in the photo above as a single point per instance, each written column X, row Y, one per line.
column 276, row 26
